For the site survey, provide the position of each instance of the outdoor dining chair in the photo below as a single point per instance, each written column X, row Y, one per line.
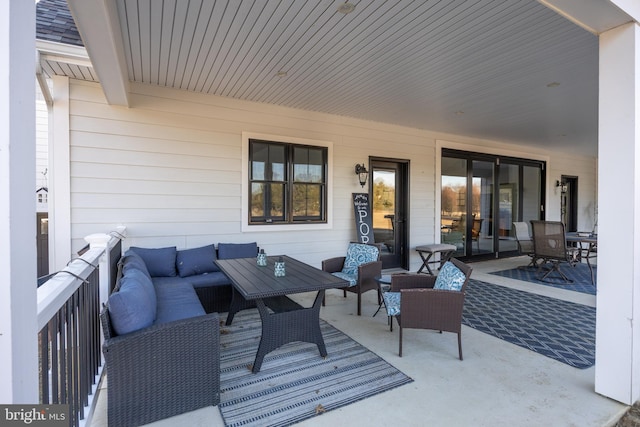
column 550, row 246
column 418, row 301
column 525, row 243
column 361, row 267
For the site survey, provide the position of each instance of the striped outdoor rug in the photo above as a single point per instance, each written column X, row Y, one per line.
column 295, row 382
column 579, row 273
column 558, row 329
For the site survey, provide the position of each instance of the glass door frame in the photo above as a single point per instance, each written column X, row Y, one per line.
column 497, row 160
column 400, row 220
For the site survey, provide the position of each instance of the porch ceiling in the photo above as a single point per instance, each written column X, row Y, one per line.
column 501, row 70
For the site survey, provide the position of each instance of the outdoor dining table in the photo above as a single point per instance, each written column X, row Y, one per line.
column 588, row 252
column 283, row 320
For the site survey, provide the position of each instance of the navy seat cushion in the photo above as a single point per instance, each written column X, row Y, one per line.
column 216, row 278
column 161, row 262
column 196, row 261
column 176, row 300
column 237, row 250
column 133, row 306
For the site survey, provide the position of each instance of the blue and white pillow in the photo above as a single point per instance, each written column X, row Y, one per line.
column 392, row 303
column 358, row 254
column 450, row 278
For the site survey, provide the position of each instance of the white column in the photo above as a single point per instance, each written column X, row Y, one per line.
column 18, row 330
column 618, row 306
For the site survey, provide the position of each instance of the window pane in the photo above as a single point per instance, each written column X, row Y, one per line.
column 307, row 201
column 308, row 165
column 257, row 200
column 276, row 210
column 277, row 160
column 260, row 157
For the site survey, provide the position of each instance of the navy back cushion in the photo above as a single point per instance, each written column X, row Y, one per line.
column 133, row 306
column 160, row 262
column 237, row 250
column 196, row 261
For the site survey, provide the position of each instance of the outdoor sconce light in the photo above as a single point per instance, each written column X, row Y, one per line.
column 562, row 186
column 362, row 173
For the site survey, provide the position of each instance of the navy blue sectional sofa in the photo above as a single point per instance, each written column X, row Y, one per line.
column 161, row 330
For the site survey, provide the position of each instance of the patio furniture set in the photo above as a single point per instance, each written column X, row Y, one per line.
column 161, row 323
column 161, row 331
column 550, row 246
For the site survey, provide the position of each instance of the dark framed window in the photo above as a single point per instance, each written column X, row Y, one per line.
column 287, row 183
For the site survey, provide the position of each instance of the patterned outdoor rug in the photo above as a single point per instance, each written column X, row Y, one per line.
column 295, row 382
column 561, row 330
column 579, row 274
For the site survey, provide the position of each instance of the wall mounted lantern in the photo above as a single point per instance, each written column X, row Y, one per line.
column 562, row 185
column 363, row 174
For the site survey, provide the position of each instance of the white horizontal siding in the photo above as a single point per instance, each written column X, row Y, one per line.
column 169, row 168
column 42, row 146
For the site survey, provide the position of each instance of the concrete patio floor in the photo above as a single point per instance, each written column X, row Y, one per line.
column 497, row 384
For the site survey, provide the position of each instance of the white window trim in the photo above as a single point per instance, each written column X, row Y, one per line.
column 246, row 227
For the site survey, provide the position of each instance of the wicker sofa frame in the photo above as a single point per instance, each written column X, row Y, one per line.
column 163, row 370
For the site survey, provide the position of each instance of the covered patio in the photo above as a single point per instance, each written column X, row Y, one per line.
column 497, row 383
column 150, row 118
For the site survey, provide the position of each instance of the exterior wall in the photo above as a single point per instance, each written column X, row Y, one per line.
column 169, row 168
column 585, row 168
column 42, row 145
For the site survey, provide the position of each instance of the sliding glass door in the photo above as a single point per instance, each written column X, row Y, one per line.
column 482, row 196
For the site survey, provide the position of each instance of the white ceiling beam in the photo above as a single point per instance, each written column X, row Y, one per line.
column 98, row 25
column 596, row 16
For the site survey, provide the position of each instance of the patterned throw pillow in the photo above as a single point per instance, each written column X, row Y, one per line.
column 450, row 278
column 358, row 254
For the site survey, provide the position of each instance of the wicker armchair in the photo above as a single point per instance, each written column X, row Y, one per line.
column 550, row 246
column 364, row 280
column 415, row 304
column 161, row 371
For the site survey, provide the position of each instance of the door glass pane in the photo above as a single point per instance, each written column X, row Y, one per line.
column 531, row 193
column 384, row 207
column 453, row 204
column 509, row 205
column 479, row 230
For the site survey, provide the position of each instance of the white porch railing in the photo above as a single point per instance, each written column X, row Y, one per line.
column 70, row 340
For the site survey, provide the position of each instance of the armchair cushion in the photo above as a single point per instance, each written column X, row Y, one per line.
column 392, row 303
column 450, row 278
column 196, row 261
column 160, row 262
column 358, row 254
column 351, row 278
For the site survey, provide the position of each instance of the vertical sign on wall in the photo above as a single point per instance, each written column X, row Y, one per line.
column 362, row 211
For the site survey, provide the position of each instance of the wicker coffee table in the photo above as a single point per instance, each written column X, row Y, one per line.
column 283, row 320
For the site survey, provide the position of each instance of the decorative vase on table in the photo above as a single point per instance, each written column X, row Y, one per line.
column 262, row 258
column 279, row 270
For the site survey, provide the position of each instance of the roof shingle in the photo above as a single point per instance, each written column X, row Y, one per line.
column 55, row 23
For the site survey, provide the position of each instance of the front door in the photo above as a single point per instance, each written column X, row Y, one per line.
column 390, row 205
column 42, row 243
column 569, row 202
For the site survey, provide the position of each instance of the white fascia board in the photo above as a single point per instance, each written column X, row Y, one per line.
column 61, row 52
column 595, row 16
column 98, row 25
